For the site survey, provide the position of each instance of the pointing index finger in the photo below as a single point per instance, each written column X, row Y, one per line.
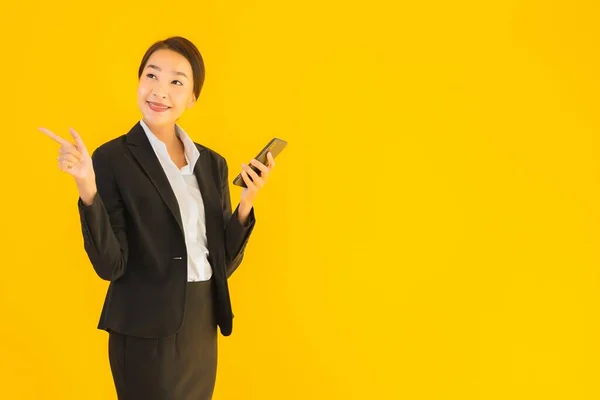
column 54, row 136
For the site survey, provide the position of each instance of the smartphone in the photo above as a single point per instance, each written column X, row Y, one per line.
column 275, row 146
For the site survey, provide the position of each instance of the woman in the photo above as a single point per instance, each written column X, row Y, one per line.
column 157, row 223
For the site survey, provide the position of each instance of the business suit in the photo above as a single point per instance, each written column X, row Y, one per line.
column 134, row 238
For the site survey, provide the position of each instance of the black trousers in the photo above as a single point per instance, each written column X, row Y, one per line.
column 178, row 367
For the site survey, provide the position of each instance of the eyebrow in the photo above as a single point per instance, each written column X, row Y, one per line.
column 156, row 67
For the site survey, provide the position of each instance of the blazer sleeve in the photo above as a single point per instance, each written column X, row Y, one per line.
column 236, row 234
column 103, row 223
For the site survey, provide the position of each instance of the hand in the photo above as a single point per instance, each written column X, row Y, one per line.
column 254, row 181
column 73, row 159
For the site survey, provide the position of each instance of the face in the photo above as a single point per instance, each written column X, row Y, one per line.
column 166, row 88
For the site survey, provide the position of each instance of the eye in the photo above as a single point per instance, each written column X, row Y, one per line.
column 150, row 75
column 179, row 82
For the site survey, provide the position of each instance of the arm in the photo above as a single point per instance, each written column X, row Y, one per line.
column 103, row 223
column 237, row 228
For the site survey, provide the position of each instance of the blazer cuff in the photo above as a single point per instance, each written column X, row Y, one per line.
column 90, row 215
column 237, row 234
column 237, row 227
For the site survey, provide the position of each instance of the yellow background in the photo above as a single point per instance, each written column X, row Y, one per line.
column 431, row 231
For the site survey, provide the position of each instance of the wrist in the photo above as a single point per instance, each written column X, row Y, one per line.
column 87, row 189
column 245, row 207
column 86, row 180
column 243, row 212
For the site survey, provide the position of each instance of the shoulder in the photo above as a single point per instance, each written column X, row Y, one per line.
column 109, row 152
column 111, row 147
column 214, row 156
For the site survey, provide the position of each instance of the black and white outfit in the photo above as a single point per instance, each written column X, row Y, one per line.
column 167, row 241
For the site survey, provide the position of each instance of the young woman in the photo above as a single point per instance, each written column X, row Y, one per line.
column 157, row 223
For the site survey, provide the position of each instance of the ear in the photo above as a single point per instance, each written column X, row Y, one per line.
column 192, row 101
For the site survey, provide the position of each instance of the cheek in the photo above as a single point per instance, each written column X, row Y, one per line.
column 178, row 99
column 143, row 91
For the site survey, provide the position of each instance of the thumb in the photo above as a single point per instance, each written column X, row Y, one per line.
column 79, row 142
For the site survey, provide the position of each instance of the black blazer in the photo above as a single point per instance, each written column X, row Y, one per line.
column 133, row 235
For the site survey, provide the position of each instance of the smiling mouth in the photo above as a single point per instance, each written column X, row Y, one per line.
column 157, row 107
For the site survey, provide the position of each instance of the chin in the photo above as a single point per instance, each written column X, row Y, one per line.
column 157, row 119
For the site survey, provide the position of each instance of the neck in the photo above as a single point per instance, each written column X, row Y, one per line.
column 164, row 133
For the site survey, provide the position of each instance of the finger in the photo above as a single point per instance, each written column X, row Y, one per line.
column 271, row 160
column 249, row 184
column 264, row 172
column 263, row 168
column 68, row 157
column 79, row 142
column 70, row 150
column 65, row 166
column 255, row 178
column 54, row 136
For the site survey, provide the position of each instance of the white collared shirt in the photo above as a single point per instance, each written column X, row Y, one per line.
column 185, row 186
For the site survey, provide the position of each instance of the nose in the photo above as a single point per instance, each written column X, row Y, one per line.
column 159, row 94
column 159, row 90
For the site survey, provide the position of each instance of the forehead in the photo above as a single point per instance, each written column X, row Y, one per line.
column 170, row 61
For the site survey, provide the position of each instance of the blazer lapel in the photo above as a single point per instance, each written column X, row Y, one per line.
column 207, row 181
column 141, row 149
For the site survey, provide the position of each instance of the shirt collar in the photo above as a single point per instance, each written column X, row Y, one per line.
column 191, row 151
